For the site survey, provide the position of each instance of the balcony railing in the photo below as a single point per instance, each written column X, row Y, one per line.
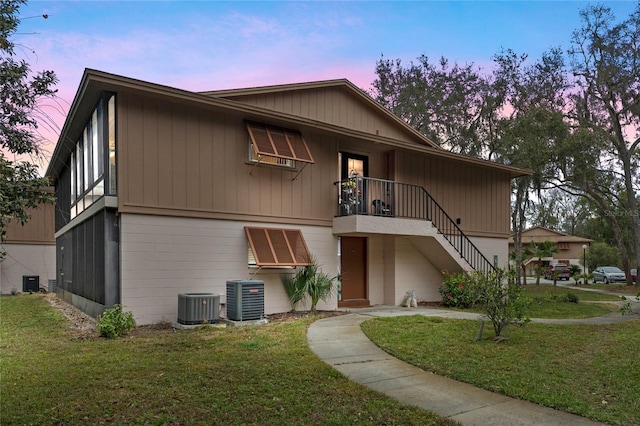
column 380, row 197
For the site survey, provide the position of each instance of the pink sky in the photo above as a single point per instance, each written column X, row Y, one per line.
column 207, row 45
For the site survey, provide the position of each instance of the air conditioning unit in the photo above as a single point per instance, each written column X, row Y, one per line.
column 245, row 300
column 30, row 283
column 196, row 308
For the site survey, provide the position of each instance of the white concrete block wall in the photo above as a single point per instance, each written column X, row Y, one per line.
column 493, row 246
column 26, row 259
column 162, row 257
column 414, row 271
column 376, row 270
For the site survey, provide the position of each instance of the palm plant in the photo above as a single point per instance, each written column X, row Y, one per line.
column 320, row 287
column 309, row 281
column 295, row 287
column 540, row 250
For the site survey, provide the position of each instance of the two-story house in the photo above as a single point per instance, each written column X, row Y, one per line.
column 162, row 191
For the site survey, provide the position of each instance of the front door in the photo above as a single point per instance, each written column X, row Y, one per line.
column 353, row 269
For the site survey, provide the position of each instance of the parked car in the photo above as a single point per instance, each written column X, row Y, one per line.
column 634, row 275
column 609, row 274
column 561, row 271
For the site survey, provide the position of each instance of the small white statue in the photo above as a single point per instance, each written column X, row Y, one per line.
column 410, row 300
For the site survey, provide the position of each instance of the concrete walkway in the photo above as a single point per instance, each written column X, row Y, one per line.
column 340, row 342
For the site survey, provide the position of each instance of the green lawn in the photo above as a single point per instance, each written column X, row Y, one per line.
column 264, row 375
column 590, row 370
column 548, row 301
column 629, row 290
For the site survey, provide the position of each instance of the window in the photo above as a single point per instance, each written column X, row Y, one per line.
column 278, row 247
column 563, row 246
column 87, row 162
column 277, row 146
column 111, row 113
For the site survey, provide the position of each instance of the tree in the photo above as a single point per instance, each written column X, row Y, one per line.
column 583, row 169
column 530, row 133
column 21, row 187
column 574, row 124
column 500, row 299
column 545, row 211
column 452, row 104
column 525, row 254
column 602, row 254
column 605, row 58
column 464, row 111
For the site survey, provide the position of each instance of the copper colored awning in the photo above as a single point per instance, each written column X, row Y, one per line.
column 281, row 143
column 278, row 247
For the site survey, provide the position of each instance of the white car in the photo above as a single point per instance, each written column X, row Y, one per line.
column 609, row 274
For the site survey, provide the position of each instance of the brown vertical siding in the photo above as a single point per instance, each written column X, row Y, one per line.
column 150, row 163
column 330, row 105
column 477, row 195
column 174, row 157
column 38, row 230
column 165, row 156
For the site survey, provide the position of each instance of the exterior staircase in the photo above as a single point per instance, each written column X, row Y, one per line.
column 379, row 197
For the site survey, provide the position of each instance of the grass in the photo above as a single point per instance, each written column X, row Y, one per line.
column 629, row 290
column 589, row 370
column 548, row 301
column 263, row 375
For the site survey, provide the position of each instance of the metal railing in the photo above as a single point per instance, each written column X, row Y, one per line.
column 380, row 197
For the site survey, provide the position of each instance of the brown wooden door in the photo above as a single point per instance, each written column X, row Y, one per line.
column 353, row 267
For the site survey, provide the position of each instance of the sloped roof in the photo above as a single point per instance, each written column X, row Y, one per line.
column 94, row 83
column 540, row 234
column 340, row 84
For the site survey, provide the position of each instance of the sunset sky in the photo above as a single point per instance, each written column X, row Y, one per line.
column 207, row 45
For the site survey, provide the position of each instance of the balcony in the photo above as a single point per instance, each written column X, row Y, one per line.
column 378, row 206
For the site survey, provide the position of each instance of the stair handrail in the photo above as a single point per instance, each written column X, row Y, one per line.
column 466, row 248
column 412, row 207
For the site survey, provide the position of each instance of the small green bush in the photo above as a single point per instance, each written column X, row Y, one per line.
column 502, row 300
column 459, row 290
column 571, row 298
column 309, row 282
column 114, row 322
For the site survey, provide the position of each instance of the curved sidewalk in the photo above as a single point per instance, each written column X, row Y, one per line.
column 340, row 342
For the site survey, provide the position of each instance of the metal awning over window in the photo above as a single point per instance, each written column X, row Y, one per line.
column 278, row 247
column 281, row 143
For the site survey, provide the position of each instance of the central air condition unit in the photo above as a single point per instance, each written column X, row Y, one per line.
column 245, row 300
column 30, row 283
column 196, row 308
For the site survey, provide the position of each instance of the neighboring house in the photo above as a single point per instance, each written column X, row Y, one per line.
column 162, row 191
column 570, row 248
column 30, row 253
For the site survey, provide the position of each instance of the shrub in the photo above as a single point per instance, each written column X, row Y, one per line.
column 114, row 322
column 310, row 282
column 320, row 287
column 296, row 287
column 459, row 290
column 571, row 298
column 501, row 299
